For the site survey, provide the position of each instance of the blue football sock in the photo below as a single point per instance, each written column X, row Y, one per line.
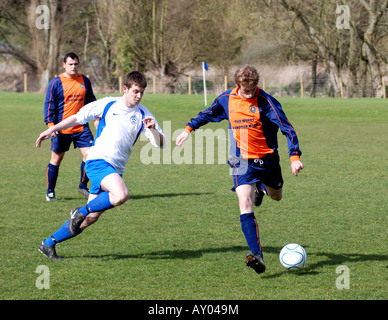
column 52, row 176
column 100, row 203
column 60, row 235
column 250, row 229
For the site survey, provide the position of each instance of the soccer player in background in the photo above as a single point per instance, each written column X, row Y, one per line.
column 254, row 119
column 122, row 119
column 66, row 95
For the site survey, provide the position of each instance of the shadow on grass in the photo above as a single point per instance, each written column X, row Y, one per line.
column 167, row 195
column 146, row 196
column 177, row 254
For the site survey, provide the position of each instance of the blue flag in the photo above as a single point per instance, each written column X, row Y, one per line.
column 205, row 67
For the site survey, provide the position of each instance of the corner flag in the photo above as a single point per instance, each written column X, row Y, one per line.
column 204, row 68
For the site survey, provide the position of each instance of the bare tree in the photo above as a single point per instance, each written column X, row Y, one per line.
column 376, row 10
column 319, row 35
column 167, row 37
column 14, row 32
column 355, row 49
column 105, row 12
column 45, row 20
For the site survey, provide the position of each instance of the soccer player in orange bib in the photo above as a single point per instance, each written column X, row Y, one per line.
column 254, row 120
column 66, row 95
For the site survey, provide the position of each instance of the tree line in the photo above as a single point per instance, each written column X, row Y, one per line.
column 169, row 37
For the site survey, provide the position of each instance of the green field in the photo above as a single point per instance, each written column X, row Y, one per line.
column 179, row 235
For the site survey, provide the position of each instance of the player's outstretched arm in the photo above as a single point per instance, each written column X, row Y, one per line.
column 67, row 123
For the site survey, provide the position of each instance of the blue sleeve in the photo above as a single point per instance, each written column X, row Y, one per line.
column 217, row 112
column 50, row 108
column 89, row 97
column 276, row 115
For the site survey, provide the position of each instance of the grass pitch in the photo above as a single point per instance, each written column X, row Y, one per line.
column 179, row 236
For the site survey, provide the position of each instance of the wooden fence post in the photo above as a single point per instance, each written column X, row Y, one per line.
column 301, row 88
column 25, row 82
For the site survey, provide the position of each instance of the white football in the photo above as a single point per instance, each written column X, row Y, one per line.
column 293, row 256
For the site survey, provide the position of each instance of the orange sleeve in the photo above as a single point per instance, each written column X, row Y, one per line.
column 50, row 124
column 294, row 158
column 188, row 129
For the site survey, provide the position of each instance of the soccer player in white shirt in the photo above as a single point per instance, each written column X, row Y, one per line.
column 122, row 120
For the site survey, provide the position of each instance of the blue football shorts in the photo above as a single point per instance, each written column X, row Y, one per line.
column 266, row 170
column 97, row 170
column 62, row 142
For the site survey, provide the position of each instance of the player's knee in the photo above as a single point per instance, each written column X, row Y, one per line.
column 56, row 158
column 246, row 204
column 124, row 197
column 275, row 194
column 120, row 197
column 276, row 197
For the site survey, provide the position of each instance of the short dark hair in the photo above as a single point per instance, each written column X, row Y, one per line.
column 71, row 55
column 135, row 77
column 247, row 76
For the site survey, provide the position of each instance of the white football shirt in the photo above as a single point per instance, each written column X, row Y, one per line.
column 123, row 126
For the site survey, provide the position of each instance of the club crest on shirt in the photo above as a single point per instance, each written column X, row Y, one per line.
column 82, row 86
column 133, row 119
column 253, row 108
